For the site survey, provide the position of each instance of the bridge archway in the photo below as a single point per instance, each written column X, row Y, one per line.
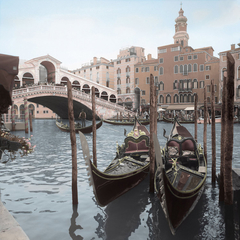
column 86, row 88
column 51, row 78
column 21, row 111
column 76, row 85
column 104, row 95
column 64, row 80
column 97, row 92
column 27, row 79
column 113, row 98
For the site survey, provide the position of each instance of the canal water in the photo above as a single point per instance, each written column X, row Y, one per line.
column 36, row 189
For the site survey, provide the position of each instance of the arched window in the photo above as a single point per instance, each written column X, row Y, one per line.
column 127, row 90
column 175, row 98
column 238, row 73
column 119, row 91
column 185, row 98
column 189, row 68
column 238, row 91
column 181, row 68
column 118, row 81
column 118, row 71
column 223, row 70
column 161, row 71
column 176, row 69
column 181, row 98
column 185, row 70
column 208, row 99
column 195, row 83
column 161, row 99
column 175, row 84
column 168, row 98
column 161, row 86
column 195, row 66
column 189, row 98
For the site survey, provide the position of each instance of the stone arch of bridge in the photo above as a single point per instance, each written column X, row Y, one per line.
column 51, row 71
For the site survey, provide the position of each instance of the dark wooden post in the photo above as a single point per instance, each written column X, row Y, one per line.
column 155, row 111
column 228, row 193
column 205, row 124
column 213, row 133
column 223, row 139
column 195, row 115
column 30, row 120
column 26, row 115
column 152, row 125
column 94, row 127
column 13, row 117
column 73, row 144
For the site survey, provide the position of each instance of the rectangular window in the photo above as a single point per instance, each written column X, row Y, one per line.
column 195, row 56
column 162, row 50
column 143, row 92
column 174, row 49
column 208, row 88
column 175, row 58
column 161, row 60
column 147, row 80
column 155, row 79
column 181, row 58
column 136, row 81
column 37, row 105
column 136, row 70
column 208, row 68
column 142, row 69
column 37, row 112
column 207, row 77
column 224, row 58
column 155, row 68
column 189, row 57
column 201, row 84
column 147, row 69
column 201, row 67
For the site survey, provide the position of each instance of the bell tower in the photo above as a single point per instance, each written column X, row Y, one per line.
column 181, row 36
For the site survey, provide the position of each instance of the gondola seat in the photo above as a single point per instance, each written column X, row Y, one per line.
column 139, row 145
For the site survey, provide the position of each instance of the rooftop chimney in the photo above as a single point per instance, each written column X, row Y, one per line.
column 232, row 46
column 149, row 56
column 94, row 60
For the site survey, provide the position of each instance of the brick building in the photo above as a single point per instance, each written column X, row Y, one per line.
column 180, row 71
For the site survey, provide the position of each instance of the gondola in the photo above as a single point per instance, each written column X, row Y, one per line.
column 128, row 168
column 171, row 120
column 126, row 122
column 180, row 175
column 78, row 127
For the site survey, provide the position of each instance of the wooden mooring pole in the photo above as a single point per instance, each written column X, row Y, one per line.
column 94, row 127
column 228, row 192
column 213, row 133
column 195, row 115
column 73, row 144
column 13, row 117
column 152, row 126
column 26, row 115
column 223, row 138
column 205, row 124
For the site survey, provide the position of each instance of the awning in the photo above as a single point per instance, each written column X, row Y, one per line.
column 189, row 109
column 178, row 107
column 160, row 110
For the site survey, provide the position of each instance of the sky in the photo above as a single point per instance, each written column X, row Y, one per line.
column 75, row 31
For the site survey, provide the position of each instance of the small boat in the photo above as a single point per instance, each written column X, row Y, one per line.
column 78, row 127
column 217, row 120
column 126, row 121
column 171, row 120
column 180, row 175
column 128, row 168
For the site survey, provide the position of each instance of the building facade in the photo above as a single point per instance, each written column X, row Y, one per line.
column 180, row 71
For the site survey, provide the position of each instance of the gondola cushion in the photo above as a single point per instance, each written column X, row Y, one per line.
column 136, row 145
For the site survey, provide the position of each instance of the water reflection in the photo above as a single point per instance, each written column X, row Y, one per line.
column 73, row 227
column 123, row 216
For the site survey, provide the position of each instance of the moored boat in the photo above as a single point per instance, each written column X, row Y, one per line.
column 126, row 122
column 128, row 168
column 171, row 120
column 78, row 127
column 181, row 172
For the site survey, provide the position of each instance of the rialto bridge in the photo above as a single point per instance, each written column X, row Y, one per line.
column 49, row 89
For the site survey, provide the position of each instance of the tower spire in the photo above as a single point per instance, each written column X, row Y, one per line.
column 181, row 5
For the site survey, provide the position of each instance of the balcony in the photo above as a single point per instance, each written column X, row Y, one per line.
column 184, row 90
